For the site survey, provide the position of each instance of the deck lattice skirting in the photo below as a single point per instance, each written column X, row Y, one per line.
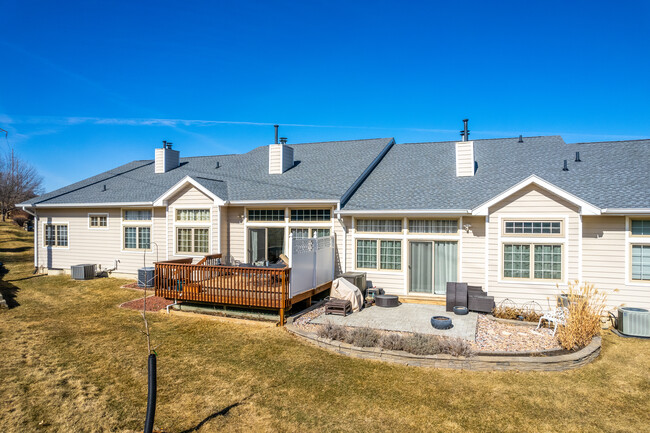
column 517, row 362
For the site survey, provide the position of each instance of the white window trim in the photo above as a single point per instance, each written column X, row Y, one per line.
column 137, row 223
column 629, row 241
column 60, row 223
column 191, row 224
column 378, row 268
column 530, row 240
column 287, row 224
column 98, row 214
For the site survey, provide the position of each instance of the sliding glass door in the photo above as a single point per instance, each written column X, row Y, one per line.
column 432, row 265
column 265, row 244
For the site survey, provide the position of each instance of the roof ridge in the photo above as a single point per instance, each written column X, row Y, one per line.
column 487, row 139
column 611, row 141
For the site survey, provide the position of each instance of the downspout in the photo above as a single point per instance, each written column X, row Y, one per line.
column 35, row 237
column 345, row 238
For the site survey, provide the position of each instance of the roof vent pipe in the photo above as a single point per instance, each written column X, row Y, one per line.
column 578, row 157
column 566, row 166
column 521, row 139
column 276, row 133
column 465, row 132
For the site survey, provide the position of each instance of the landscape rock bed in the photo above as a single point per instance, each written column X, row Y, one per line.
column 491, row 335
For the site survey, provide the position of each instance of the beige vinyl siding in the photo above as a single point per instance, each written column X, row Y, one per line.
column 190, row 197
column 472, row 260
column 532, row 202
column 604, row 261
column 465, row 158
column 235, row 235
column 275, row 158
column 101, row 247
column 391, row 282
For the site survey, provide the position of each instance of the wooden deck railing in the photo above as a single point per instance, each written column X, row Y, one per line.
column 211, row 259
column 231, row 285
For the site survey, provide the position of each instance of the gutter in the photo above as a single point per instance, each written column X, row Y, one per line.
column 626, row 211
column 407, row 212
column 65, row 205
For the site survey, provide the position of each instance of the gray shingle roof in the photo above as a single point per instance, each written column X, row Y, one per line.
column 322, row 171
column 423, row 175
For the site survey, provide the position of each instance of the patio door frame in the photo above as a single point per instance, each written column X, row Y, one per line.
column 433, row 265
column 266, row 241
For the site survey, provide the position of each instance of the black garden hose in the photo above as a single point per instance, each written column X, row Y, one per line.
column 151, row 395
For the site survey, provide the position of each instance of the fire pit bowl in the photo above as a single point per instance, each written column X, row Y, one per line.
column 441, row 322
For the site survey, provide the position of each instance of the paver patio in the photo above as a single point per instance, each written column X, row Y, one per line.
column 407, row 318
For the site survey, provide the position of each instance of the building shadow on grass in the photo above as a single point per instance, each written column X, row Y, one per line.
column 8, row 292
column 222, row 412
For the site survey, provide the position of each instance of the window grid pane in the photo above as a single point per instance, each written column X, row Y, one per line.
column 192, row 215
column 516, row 261
column 433, row 226
column 366, row 254
column 144, row 238
column 137, row 215
column 201, row 240
column 98, row 221
column 641, row 227
column 641, row 262
column 310, row 215
column 62, row 236
column 184, row 240
column 50, row 239
column 533, row 227
column 300, row 233
column 391, row 255
column 321, row 233
column 379, row 226
column 130, row 237
column 266, row 215
column 548, row 262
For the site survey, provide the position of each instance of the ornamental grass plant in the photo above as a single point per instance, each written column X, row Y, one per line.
column 586, row 307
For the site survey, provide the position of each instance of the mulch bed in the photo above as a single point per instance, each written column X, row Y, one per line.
column 154, row 303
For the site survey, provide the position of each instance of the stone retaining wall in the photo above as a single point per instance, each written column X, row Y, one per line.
column 500, row 362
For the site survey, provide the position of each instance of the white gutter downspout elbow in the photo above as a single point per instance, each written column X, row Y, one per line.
column 35, row 237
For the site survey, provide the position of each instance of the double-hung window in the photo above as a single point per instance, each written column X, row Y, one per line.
column 640, row 249
column 379, row 254
column 136, row 226
column 56, row 235
column 191, row 239
column 532, row 261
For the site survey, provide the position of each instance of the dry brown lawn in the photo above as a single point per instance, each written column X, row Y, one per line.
column 72, row 361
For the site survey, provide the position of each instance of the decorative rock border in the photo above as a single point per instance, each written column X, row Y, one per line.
column 482, row 362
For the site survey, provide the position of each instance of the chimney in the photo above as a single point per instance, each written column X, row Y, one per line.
column 280, row 155
column 465, row 132
column 166, row 158
column 465, row 154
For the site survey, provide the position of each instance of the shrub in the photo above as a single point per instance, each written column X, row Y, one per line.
column 333, row 332
column 455, row 347
column 363, row 337
column 586, row 306
column 391, row 341
column 421, row 344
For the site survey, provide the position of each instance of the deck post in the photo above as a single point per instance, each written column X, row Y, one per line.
column 282, row 298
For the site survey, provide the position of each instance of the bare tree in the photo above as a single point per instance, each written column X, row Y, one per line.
column 19, row 181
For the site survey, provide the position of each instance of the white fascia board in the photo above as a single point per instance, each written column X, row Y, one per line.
column 187, row 180
column 276, row 202
column 586, row 208
column 65, row 205
column 626, row 211
column 407, row 212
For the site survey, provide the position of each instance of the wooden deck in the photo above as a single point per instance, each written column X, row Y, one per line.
column 210, row 283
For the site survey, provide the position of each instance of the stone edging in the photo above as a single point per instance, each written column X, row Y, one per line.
column 561, row 362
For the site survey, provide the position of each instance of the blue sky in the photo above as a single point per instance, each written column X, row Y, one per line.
column 87, row 86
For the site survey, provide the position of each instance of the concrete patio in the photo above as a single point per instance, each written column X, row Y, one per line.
column 407, row 318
